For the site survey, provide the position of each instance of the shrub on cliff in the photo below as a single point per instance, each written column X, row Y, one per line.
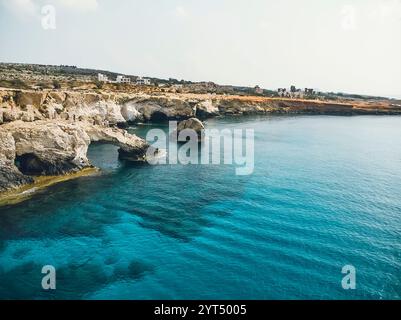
column 99, row 84
column 56, row 84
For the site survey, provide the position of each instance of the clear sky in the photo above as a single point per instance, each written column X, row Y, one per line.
column 340, row 45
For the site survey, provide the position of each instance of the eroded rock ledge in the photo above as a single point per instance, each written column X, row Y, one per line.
column 105, row 108
column 47, row 147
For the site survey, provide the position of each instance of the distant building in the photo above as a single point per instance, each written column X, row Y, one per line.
column 102, row 78
column 297, row 94
column 142, row 81
column 123, row 79
column 282, row 92
column 120, row 79
column 258, row 90
column 309, row 91
column 293, row 92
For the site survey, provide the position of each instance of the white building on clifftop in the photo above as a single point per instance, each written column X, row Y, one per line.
column 123, row 79
column 142, row 81
column 102, row 77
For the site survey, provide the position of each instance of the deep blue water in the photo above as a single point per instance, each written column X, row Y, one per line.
column 326, row 192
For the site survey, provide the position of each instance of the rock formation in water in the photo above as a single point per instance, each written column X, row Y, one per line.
column 193, row 124
column 48, row 132
column 132, row 148
column 46, row 147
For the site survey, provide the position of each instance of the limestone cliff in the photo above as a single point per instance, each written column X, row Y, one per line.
column 10, row 176
column 47, row 147
column 110, row 109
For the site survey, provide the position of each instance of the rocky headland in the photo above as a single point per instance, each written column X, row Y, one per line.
column 48, row 132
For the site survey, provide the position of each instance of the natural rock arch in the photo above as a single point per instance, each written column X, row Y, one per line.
column 49, row 148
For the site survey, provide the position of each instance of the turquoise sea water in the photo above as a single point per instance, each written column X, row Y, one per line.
column 326, row 192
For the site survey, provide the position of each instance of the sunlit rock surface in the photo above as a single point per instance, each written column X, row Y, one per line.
column 48, row 147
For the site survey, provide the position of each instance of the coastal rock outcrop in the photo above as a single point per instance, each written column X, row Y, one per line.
column 130, row 113
column 47, row 132
column 30, row 106
column 193, row 124
column 118, row 108
column 206, row 109
column 47, row 147
column 10, row 176
column 157, row 109
column 132, row 147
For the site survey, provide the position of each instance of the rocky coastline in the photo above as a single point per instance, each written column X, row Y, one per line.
column 47, row 133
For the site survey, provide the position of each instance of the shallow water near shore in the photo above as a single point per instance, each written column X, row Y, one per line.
column 325, row 192
column 22, row 194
